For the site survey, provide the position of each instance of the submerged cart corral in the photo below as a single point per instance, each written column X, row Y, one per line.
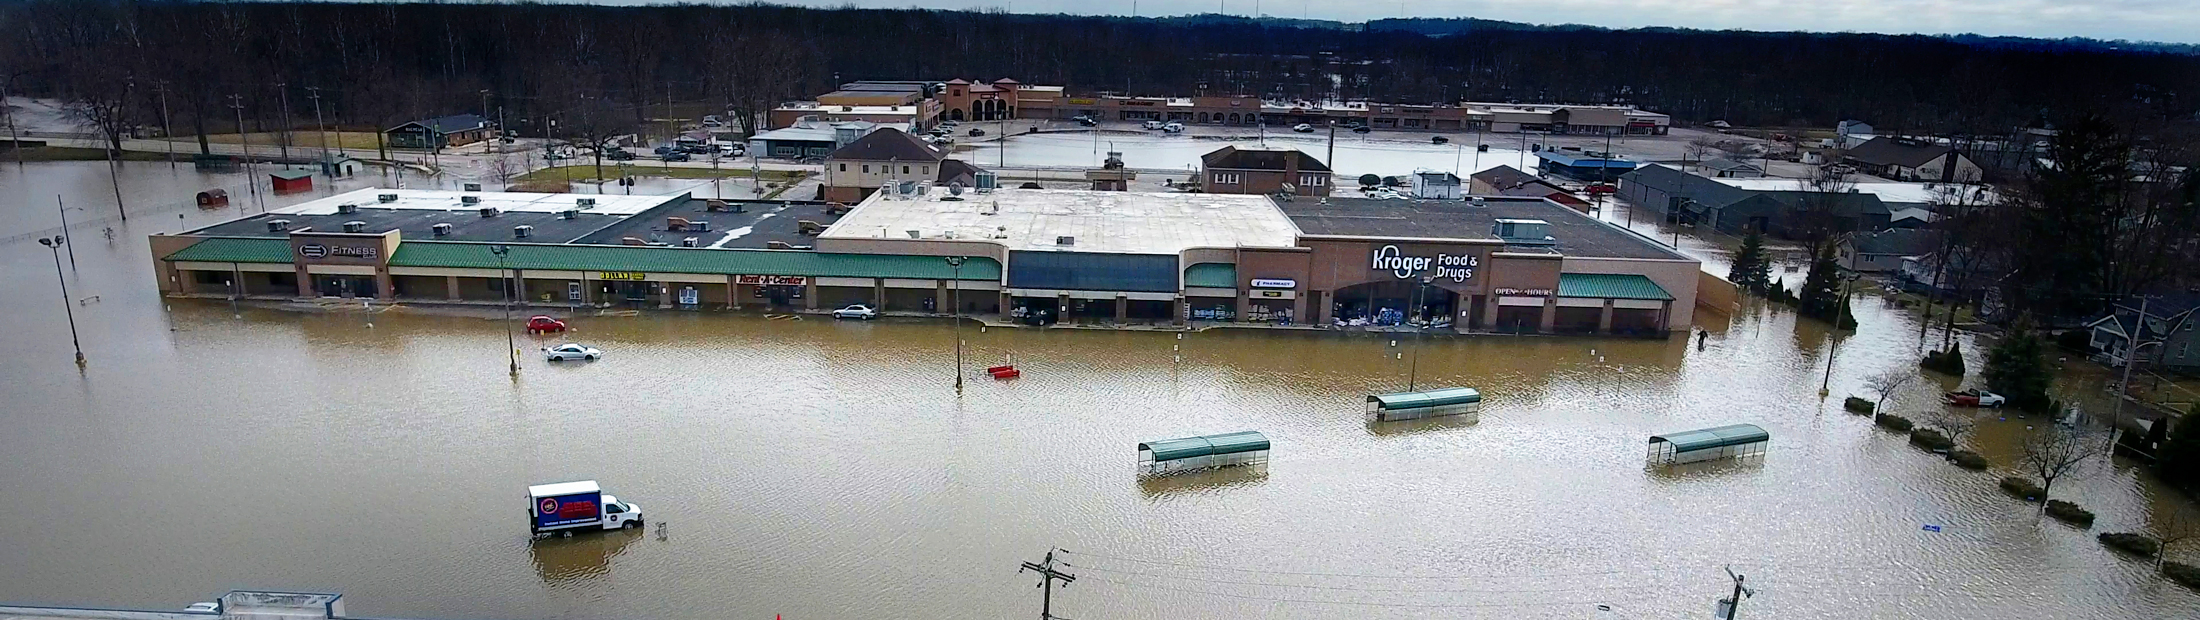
column 1203, row 452
column 1429, row 404
column 1734, row 440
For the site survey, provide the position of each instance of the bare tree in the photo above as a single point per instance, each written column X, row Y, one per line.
column 100, row 101
column 1822, row 207
column 502, row 169
column 2056, row 452
column 1952, row 422
column 2179, row 527
column 1885, row 383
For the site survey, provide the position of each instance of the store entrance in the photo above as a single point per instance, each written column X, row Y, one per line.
column 1394, row 302
column 1035, row 310
column 633, row 293
column 343, row 286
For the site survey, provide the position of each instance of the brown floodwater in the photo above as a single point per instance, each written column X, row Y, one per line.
column 814, row 469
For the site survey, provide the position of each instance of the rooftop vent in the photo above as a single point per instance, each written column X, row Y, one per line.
column 699, row 225
column 915, row 234
column 488, row 211
column 778, row 245
column 586, row 203
column 441, row 230
column 473, row 187
column 569, row 214
column 1065, row 240
column 1523, row 232
column 689, row 242
column 278, row 225
column 676, row 224
column 632, row 241
column 1478, row 201
column 469, row 199
column 355, row 226
column 523, row 231
column 347, row 208
column 386, row 197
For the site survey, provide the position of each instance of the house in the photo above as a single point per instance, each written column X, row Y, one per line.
column 1692, row 198
column 339, row 166
column 808, row 139
column 855, row 171
column 1510, row 181
column 439, row 132
column 1724, row 168
column 288, row 181
column 1676, row 195
column 2168, row 320
column 1429, row 185
column 1883, row 251
column 1233, row 170
column 1904, row 159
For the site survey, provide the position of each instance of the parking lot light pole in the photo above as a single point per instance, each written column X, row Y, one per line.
column 511, row 348
column 54, row 244
column 955, row 310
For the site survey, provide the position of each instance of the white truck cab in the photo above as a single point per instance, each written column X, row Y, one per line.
column 579, row 505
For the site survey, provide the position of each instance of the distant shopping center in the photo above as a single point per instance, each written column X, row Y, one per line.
column 1479, row 264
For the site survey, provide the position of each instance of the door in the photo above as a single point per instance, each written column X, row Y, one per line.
column 614, row 515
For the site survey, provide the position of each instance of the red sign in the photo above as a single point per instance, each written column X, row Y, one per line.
column 577, row 510
column 772, row 280
column 549, row 505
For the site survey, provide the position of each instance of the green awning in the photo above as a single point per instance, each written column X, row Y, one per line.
column 1430, row 398
column 1211, row 275
column 1610, row 286
column 230, row 250
column 1206, row 445
column 1719, row 437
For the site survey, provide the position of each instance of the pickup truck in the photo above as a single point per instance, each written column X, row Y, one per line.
column 579, row 505
column 1976, row 398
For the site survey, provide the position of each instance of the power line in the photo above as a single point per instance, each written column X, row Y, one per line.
column 1047, row 577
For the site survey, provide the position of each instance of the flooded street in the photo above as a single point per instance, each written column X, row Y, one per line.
column 820, row 469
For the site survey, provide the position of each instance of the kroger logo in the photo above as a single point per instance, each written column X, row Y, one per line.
column 1457, row 267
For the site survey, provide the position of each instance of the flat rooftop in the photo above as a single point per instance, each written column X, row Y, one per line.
column 415, row 213
column 1113, row 222
column 755, row 226
column 1577, row 234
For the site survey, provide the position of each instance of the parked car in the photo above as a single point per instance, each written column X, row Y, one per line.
column 543, row 324
column 735, row 149
column 856, row 311
column 1600, row 188
column 1173, row 127
column 1361, row 129
column 618, row 155
column 1439, row 140
column 1303, row 128
column 1087, row 121
column 1976, row 398
column 675, row 156
column 697, row 149
column 664, row 148
column 975, row 132
column 1152, row 125
column 570, row 351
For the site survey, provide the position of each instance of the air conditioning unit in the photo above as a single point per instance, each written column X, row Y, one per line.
column 278, row 225
column 699, row 225
column 347, row 209
column 469, row 199
column 522, row 231
column 386, row 197
column 689, row 242
column 586, row 203
column 569, row 214
column 1065, row 240
column 915, row 234
column 488, row 211
column 441, row 230
column 355, row 226
column 473, row 187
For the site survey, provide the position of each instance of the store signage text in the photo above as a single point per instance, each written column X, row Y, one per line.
column 1456, row 267
column 318, row 251
column 621, row 275
column 1526, row 292
column 772, row 280
column 1271, row 293
column 1274, row 283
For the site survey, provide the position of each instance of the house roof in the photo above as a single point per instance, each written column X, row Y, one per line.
column 1234, row 158
column 1884, row 151
column 291, row 175
column 1895, row 241
column 1438, row 178
column 452, row 123
column 1727, row 165
column 954, row 170
column 1840, row 203
column 1676, row 182
column 1505, row 177
column 888, row 144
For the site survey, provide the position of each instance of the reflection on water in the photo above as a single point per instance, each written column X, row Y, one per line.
column 1203, row 481
column 1422, row 425
column 579, row 557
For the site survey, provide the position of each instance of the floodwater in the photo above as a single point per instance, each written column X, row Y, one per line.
column 820, row 469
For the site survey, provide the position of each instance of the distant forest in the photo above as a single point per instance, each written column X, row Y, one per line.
column 377, row 64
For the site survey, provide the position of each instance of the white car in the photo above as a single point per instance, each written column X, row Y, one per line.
column 1303, row 128
column 1153, row 124
column 570, row 351
column 856, row 311
column 1173, row 127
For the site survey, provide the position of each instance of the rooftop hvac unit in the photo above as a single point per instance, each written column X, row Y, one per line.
column 488, row 211
column 278, row 225
column 586, row 203
column 699, row 225
column 473, row 187
column 1065, row 240
column 714, row 205
column 569, row 214
column 441, row 230
column 915, row 234
column 1478, row 201
column 986, row 181
column 688, row 242
column 676, row 223
column 522, row 231
column 469, row 199
column 347, row 208
column 355, row 226
column 632, row 241
column 386, row 197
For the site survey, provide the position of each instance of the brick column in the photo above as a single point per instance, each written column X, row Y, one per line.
column 1176, row 311
column 940, row 298
column 1550, row 315
column 1604, row 319
column 809, row 293
column 1489, row 310
column 1244, row 303
column 664, row 295
column 878, row 294
column 1122, row 308
column 450, row 287
column 305, row 282
column 733, row 294
column 1061, row 307
column 385, row 287
column 519, row 289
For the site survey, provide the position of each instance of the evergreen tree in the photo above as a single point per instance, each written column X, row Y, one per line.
column 1751, row 271
column 1820, row 297
column 2016, row 370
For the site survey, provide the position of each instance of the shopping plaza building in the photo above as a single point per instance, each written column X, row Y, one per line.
column 1488, row 264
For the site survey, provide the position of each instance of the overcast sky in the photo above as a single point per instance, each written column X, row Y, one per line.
column 2152, row 20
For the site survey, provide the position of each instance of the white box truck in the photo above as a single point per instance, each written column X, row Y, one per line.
column 581, row 505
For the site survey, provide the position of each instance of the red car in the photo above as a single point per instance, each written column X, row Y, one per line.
column 1601, row 188
column 540, row 324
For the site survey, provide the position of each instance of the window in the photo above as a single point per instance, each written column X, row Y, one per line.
column 1227, row 178
column 613, row 509
column 1312, row 180
column 844, row 167
column 866, row 168
column 905, row 170
column 928, row 170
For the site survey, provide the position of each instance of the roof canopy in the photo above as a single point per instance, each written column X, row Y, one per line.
column 1708, row 438
column 1611, row 286
column 1206, row 445
column 1430, row 398
column 563, row 488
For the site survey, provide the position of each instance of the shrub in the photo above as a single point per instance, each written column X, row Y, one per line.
column 2075, row 341
column 1930, row 439
column 1946, row 362
column 1893, row 422
column 1857, row 405
column 2183, row 573
column 1967, row 459
column 2022, row 488
column 1370, row 180
column 2069, row 513
column 2136, row 544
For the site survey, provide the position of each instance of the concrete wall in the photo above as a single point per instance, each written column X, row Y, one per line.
column 1677, row 277
column 164, row 273
column 1716, row 294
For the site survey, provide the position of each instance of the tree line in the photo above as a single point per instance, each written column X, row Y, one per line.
column 375, row 64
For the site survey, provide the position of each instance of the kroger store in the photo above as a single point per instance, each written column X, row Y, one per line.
column 1490, row 264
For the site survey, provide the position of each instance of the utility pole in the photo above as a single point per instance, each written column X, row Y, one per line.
column 954, row 309
column 62, row 207
column 1047, row 577
column 166, row 134
column 1331, row 156
column 1731, row 607
column 2123, row 387
column 13, row 145
column 1840, row 312
column 282, row 92
column 320, row 126
column 236, row 102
